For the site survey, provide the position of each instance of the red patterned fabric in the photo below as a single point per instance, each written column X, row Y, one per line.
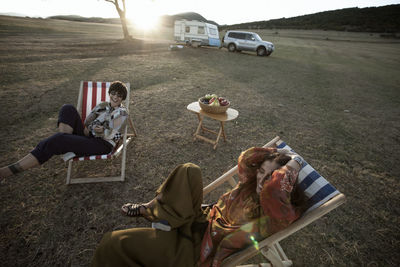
column 241, row 216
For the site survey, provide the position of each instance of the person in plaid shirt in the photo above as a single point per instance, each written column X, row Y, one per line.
column 98, row 135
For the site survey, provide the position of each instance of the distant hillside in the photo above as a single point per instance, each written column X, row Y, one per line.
column 371, row 19
column 84, row 19
column 385, row 19
column 165, row 20
column 168, row 20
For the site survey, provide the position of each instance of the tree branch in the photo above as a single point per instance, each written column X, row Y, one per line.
column 111, row 1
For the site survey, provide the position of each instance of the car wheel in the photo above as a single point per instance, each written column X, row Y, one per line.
column 261, row 51
column 231, row 47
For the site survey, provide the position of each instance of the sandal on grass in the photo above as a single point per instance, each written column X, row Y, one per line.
column 132, row 209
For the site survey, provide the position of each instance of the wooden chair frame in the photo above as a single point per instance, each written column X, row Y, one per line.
column 127, row 138
column 270, row 247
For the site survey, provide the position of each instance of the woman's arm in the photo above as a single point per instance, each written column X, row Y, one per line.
column 296, row 161
column 275, row 194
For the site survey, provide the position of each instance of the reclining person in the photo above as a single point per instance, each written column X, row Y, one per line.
column 265, row 201
column 97, row 136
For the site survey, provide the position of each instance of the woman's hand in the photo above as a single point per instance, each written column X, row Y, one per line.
column 296, row 161
column 286, row 152
column 86, row 131
column 98, row 129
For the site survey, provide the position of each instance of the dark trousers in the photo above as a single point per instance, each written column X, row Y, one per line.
column 77, row 142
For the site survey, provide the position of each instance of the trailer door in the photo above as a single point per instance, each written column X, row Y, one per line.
column 183, row 29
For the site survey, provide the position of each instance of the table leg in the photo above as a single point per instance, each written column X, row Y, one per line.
column 199, row 126
column 219, row 135
column 223, row 130
column 200, row 119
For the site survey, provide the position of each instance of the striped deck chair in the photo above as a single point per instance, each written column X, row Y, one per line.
column 321, row 196
column 91, row 94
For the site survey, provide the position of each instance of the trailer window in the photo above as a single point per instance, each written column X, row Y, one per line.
column 213, row 31
column 187, row 29
column 200, row 30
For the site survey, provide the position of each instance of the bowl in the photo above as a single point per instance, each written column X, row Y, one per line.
column 213, row 109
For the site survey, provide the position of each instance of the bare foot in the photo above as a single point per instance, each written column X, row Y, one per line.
column 5, row 172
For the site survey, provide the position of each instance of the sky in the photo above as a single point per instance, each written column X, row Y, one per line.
column 146, row 12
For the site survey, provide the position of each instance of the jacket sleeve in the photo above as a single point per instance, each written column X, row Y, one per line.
column 275, row 197
column 92, row 116
column 118, row 123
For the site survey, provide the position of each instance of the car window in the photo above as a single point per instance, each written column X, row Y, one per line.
column 258, row 38
column 250, row 37
column 237, row 35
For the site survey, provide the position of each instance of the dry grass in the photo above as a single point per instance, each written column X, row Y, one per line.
column 333, row 97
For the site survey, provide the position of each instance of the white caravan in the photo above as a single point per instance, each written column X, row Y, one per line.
column 196, row 33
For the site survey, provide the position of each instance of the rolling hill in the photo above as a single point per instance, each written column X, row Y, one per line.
column 385, row 19
column 371, row 19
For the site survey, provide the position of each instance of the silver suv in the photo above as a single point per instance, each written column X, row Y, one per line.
column 248, row 41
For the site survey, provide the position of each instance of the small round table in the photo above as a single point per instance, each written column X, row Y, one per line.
column 229, row 115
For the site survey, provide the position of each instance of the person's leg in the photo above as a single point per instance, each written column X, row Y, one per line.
column 143, row 247
column 61, row 143
column 27, row 162
column 178, row 199
column 65, row 128
column 58, row 144
column 69, row 120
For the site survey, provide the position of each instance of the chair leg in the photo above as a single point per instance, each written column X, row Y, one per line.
column 69, row 172
column 123, row 162
column 280, row 251
column 273, row 256
column 132, row 126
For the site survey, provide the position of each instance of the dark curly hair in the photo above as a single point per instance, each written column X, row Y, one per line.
column 118, row 87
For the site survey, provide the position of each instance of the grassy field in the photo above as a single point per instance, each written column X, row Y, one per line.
column 334, row 97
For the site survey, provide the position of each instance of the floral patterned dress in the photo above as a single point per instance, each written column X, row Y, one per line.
column 241, row 216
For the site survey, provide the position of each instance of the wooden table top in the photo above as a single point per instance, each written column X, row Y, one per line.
column 230, row 113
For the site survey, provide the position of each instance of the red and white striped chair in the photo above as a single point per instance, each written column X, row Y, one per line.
column 91, row 94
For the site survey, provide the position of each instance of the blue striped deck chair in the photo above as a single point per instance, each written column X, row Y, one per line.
column 321, row 196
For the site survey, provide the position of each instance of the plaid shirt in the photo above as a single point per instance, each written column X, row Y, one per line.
column 113, row 121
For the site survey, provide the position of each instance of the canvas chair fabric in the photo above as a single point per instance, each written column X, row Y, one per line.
column 321, row 196
column 90, row 95
column 315, row 187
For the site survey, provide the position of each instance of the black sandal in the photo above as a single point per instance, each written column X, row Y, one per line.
column 133, row 209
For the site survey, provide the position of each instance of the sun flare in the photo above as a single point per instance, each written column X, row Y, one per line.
column 144, row 23
column 145, row 17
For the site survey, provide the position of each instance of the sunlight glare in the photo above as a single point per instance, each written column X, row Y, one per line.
column 144, row 17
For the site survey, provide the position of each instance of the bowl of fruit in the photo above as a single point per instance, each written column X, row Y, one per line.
column 211, row 103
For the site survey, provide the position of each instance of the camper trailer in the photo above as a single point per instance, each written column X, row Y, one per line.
column 196, row 33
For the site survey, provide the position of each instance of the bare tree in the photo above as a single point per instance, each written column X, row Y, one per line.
column 122, row 16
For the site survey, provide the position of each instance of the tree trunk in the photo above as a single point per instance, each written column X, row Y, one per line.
column 122, row 16
column 124, row 26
